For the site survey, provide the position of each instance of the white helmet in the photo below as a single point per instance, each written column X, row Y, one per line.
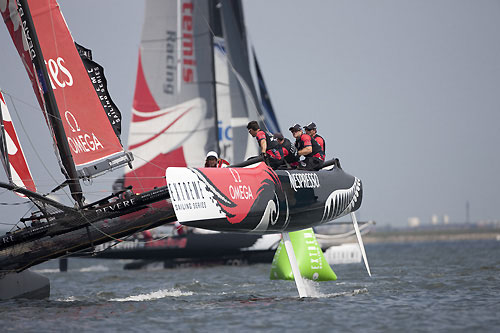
column 213, row 154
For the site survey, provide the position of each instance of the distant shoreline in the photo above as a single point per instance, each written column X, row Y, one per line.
column 406, row 236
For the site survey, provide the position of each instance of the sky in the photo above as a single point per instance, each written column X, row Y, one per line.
column 406, row 93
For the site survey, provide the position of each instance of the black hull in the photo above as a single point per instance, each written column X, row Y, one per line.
column 193, row 249
column 261, row 200
column 235, row 259
column 21, row 256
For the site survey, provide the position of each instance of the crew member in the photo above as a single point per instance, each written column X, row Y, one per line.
column 289, row 151
column 312, row 131
column 270, row 149
column 308, row 148
column 213, row 161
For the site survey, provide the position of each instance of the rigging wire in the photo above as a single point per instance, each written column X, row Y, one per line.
column 53, row 179
column 32, row 145
column 14, row 203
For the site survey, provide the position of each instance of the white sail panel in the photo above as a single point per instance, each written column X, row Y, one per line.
column 173, row 118
column 224, row 115
column 15, row 162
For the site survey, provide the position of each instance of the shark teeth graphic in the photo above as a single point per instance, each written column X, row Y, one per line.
column 341, row 202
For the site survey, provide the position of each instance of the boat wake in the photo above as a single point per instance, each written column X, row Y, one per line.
column 94, row 268
column 346, row 293
column 314, row 290
column 162, row 293
column 46, row 270
column 69, row 299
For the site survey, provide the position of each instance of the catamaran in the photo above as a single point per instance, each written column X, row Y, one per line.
column 85, row 125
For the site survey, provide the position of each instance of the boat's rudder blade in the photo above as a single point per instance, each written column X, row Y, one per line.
column 310, row 258
column 26, row 284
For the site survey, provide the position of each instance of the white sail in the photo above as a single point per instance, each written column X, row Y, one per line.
column 193, row 92
column 173, row 119
column 12, row 154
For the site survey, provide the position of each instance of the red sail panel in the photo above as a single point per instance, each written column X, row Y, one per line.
column 14, row 25
column 19, row 172
column 89, row 133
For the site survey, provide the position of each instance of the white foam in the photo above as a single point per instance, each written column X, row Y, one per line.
column 153, row 295
column 347, row 293
column 69, row 299
column 95, row 268
column 312, row 288
column 46, row 270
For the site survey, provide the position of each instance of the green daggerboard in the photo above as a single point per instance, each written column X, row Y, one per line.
column 310, row 258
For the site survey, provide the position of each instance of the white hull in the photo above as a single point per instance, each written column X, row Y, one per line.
column 24, row 285
column 348, row 253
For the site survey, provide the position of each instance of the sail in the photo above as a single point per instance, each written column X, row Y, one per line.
column 232, row 100
column 223, row 100
column 87, row 129
column 270, row 119
column 231, row 109
column 12, row 154
column 244, row 100
column 173, row 117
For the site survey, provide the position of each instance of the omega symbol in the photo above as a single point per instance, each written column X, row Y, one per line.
column 74, row 128
column 236, row 175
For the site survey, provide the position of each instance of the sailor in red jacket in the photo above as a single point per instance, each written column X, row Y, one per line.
column 289, row 151
column 312, row 131
column 308, row 148
column 269, row 147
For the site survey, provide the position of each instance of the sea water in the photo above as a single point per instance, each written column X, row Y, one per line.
column 416, row 287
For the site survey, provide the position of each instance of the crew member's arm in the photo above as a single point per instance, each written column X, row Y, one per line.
column 321, row 142
column 262, row 141
column 307, row 146
column 306, row 151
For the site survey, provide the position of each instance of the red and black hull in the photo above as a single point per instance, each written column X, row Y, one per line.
column 261, row 200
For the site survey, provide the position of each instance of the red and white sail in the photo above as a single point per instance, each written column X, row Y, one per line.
column 193, row 92
column 88, row 130
column 173, row 119
column 12, row 154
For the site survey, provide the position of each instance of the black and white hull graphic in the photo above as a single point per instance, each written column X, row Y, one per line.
column 341, row 202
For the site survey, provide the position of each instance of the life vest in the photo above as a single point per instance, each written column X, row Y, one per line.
column 289, row 151
column 319, row 139
column 306, row 141
column 274, row 149
column 222, row 163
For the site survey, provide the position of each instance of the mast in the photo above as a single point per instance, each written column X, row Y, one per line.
column 211, row 22
column 3, row 146
column 50, row 103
